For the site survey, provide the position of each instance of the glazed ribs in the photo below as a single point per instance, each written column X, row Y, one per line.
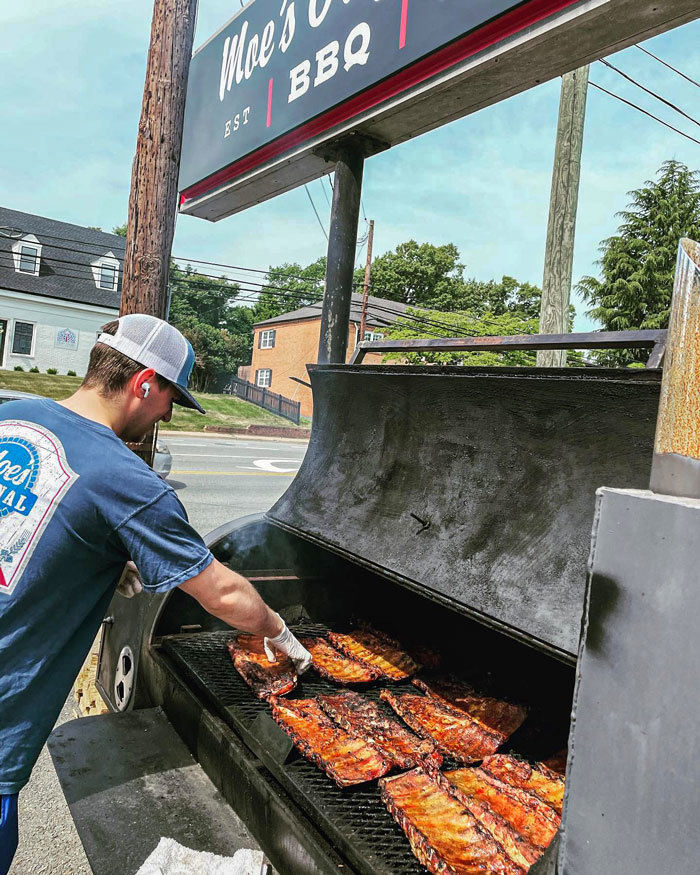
column 265, row 678
column 335, row 666
column 502, row 716
column 444, row 836
column 518, row 820
column 454, row 732
column 366, row 718
column 537, row 779
column 378, row 651
column 343, row 756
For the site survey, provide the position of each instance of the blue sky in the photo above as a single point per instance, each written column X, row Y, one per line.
column 73, row 71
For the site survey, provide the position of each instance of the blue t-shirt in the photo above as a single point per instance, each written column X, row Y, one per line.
column 75, row 505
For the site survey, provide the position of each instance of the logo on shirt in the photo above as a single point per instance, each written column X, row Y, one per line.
column 34, row 478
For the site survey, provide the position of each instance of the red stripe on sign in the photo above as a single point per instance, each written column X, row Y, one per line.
column 404, row 23
column 269, row 102
column 3, row 582
column 509, row 24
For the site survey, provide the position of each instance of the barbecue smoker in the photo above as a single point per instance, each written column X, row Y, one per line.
column 449, row 506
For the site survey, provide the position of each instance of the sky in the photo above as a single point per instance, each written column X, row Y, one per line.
column 73, row 74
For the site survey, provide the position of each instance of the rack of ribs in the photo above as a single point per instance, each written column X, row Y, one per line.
column 537, row 779
column 335, row 666
column 444, row 836
column 366, row 718
column 378, row 651
column 520, row 821
column 557, row 762
column 265, row 678
column 502, row 716
column 454, row 732
column 343, row 756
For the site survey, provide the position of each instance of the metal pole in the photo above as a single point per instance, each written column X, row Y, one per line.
column 563, row 203
column 342, row 240
column 154, row 173
column 365, row 290
column 675, row 468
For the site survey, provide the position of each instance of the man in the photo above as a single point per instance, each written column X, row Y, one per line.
column 76, row 505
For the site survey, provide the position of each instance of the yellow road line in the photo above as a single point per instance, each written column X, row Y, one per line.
column 238, row 473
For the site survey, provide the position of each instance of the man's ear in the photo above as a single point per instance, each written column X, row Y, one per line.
column 147, row 375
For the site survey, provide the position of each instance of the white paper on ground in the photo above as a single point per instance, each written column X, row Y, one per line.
column 171, row 858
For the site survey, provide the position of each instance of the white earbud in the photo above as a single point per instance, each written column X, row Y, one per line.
column 146, row 389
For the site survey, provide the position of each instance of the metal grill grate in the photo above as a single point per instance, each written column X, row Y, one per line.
column 355, row 819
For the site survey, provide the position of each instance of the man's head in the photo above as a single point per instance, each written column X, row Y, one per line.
column 145, row 363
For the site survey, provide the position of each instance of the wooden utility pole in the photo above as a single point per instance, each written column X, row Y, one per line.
column 154, row 173
column 365, row 290
column 563, row 203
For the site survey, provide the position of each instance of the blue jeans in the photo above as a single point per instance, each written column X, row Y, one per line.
column 8, row 831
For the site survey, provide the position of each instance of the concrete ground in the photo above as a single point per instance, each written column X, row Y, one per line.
column 217, row 479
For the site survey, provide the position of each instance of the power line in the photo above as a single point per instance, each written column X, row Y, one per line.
column 325, row 193
column 666, row 64
column 649, row 91
column 313, row 205
column 651, row 115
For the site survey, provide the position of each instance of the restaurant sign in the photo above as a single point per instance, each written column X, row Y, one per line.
column 282, row 71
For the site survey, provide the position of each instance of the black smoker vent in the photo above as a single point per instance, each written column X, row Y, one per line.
column 354, row 819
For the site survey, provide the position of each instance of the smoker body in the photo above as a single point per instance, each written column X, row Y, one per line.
column 451, row 506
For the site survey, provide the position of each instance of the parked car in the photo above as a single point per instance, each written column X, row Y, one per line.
column 162, row 461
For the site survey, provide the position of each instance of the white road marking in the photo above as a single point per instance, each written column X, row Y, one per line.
column 272, row 465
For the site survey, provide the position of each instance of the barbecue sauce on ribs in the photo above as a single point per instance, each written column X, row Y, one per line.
column 335, row 666
column 265, row 678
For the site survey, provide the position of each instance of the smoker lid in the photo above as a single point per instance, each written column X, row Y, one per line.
column 475, row 486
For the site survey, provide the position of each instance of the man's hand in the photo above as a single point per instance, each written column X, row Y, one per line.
column 286, row 643
column 130, row 582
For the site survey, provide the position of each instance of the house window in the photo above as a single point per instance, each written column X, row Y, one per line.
column 263, row 377
column 28, row 259
column 267, row 339
column 26, row 254
column 373, row 335
column 23, row 338
column 108, row 277
column 105, row 271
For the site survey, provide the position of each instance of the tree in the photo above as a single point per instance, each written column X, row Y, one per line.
column 419, row 274
column 290, row 287
column 464, row 325
column 120, row 230
column 638, row 263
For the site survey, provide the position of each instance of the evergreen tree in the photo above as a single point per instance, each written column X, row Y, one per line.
column 638, row 263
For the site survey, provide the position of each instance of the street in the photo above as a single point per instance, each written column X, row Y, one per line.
column 217, row 480
column 220, row 479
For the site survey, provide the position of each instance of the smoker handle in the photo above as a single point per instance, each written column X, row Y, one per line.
column 585, row 340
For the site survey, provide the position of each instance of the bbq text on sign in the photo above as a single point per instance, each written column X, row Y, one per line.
column 34, row 477
column 280, row 65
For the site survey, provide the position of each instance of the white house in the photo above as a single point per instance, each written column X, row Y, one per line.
column 59, row 283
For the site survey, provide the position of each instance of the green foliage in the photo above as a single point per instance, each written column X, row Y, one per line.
column 290, row 287
column 466, row 325
column 638, row 263
column 120, row 230
column 34, row 370
column 418, row 274
column 71, row 374
column 52, row 371
column 19, row 368
column 202, row 308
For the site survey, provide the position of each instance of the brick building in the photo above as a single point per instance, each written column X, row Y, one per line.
column 284, row 345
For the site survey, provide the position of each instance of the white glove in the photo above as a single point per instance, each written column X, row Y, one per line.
column 286, row 643
column 130, row 582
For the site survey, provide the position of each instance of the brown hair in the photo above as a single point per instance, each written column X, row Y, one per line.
column 109, row 371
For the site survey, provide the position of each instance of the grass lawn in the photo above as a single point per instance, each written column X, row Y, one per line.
column 221, row 410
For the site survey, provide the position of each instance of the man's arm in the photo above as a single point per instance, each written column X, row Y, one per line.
column 231, row 598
